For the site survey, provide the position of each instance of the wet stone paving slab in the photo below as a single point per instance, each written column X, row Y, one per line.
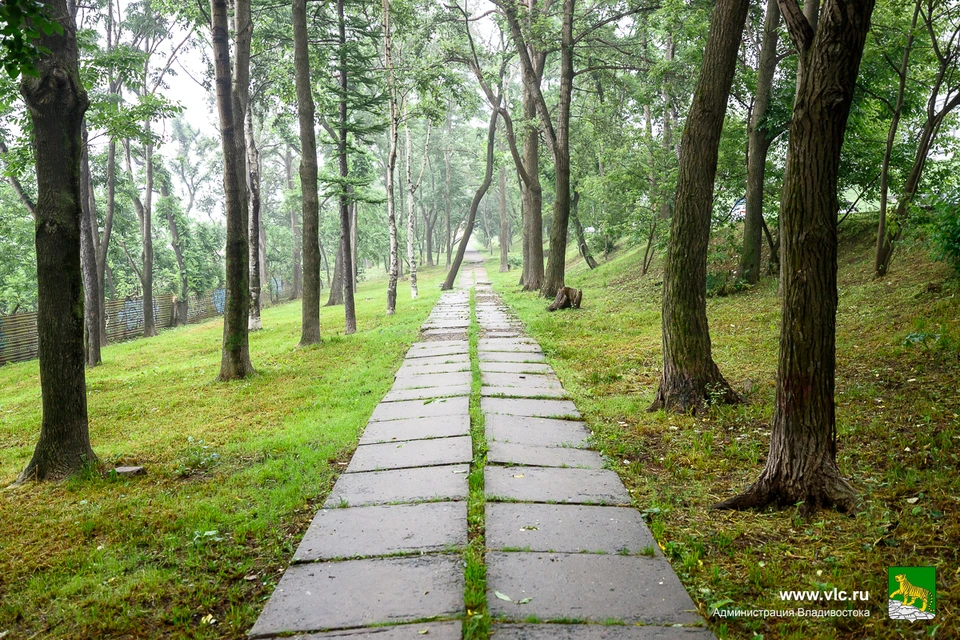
column 383, row 559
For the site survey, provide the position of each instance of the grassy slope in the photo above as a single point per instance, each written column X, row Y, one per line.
column 97, row 557
column 898, row 431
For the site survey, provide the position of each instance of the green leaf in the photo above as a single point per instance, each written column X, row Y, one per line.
column 523, row 600
column 502, row 596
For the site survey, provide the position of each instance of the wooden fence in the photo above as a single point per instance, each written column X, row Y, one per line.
column 18, row 333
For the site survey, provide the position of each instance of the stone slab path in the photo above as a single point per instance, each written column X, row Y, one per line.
column 566, row 554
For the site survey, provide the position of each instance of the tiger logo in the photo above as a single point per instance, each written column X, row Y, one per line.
column 910, row 593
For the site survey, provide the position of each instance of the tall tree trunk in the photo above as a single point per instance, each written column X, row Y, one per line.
column 446, row 195
column 56, row 102
column 556, row 262
column 411, row 210
column 88, row 260
column 232, row 95
column 355, row 243
column 104, row 243
column 504, row 223
column 801, row 466
column 581, row 237
column 690, row 378
column 183, row 298
column 296, row 289
column 937, row 109
column 532, row 200
column 475, row 204
column 306, row 113
column 350, row 314
column 393, row 269
column 253, row 232
column 144, row 209
column 758, row 143
column 336, row 280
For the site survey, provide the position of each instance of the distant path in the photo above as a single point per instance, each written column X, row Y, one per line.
column 386, row 548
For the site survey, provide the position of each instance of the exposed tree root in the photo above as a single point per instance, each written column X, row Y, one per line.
column 821, row 491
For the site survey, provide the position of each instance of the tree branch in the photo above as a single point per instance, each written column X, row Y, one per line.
column 801, row 33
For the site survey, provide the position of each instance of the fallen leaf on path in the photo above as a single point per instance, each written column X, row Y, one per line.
column 502, row 596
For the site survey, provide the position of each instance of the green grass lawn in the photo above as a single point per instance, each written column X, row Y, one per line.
column 898, row 397
column 236, row 472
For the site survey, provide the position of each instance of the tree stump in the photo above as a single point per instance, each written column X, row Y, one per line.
column 567, row 298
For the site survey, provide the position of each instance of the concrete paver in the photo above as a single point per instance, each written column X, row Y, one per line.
column 412, row 453
column 451, row 630
column 416, row 429
column 531, row 455
column 535, row 408
column 536, row 484
column 568, row 528
column 383, row 530
column 598, row 588
column 595, row 632
column 546, row 432
column 420, row 409
column 403, row 485
column 355, row 593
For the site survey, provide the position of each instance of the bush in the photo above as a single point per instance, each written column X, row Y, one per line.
column 946, row 234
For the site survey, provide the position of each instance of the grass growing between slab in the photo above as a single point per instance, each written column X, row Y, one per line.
column 236, row 472
column 898, row 393
column 477, row 624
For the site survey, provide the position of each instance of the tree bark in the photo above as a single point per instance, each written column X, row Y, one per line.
column 475, row 204
column 182, row 301
column 336, row 280
column 758, row 144
column 296, row 289
column 232, row 95
column 412, row 187
column 556, row 262
column 144, row 209
column 306, row 113
column 56, row 102
column 690, row 378
column 253, row 232
column 937, row 109
column 393, row 269
column 504, row 222
column 801, row 466
column 88, row 260
column 104, row 243
column 346, row 251
column 581, row 237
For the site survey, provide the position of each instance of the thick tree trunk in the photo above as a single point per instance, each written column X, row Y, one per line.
column 393, row 269
column 88, row 261
column 56, row 102
column 254, row 223
column 346, row 251
column 475, row 204
column 556, row 262
column 801, row 466
column 231, row 100
column 310, row 312
column 758, row 143
column 296, row 288
column 690, row 378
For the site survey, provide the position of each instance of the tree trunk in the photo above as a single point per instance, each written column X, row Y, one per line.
column 504, row 223
column 758, row 143
column 182, row 302
column 355, row 243
column 478, row 196
column 556, row 262
column 56, row 102
column 310, row 312
column 104, row 243
column 231, row 100
column 144, row 209
column 690, row 378
column 296, row 289
column 801, row 466
column 336, row 281
column 253, row 230
column 346, row 258
column 581, row 238
column 393, row 269
column 88, row 261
